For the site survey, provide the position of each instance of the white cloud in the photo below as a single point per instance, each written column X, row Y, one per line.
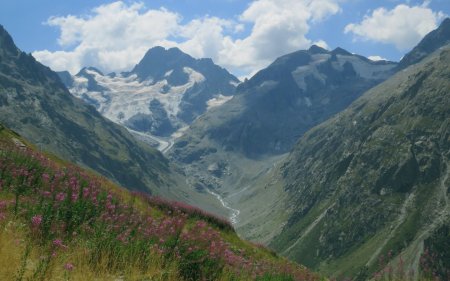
column 115, row 36
column 279, row 27
column 403, row 26
column 376, row 58
column 205, row 37
column 322, row 44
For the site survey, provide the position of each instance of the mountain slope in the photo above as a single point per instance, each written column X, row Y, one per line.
column 229, row 147
column 36, row 104
column 372, row 179
column 430, row 43
column 60, row 222
column 276, row 106
column 164, row 92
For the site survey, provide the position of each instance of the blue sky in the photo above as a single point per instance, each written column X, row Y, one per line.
column 241, row 35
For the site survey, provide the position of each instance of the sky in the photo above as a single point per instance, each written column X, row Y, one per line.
column 242, row 36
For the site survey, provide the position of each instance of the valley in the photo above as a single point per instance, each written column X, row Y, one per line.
column 323, row 165
column 234, row 213
column 160, row 143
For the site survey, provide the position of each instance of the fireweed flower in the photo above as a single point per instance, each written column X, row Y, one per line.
column 59, row 244
column 85, row 193
column 68, row 266
column 46, row 194
column 60, row 196
column 36, row 220
column 45, row 178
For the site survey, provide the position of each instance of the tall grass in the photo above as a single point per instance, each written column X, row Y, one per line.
column 74, row 226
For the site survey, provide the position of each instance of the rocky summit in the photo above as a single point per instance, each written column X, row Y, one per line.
column 430, row 43
column 162, row 94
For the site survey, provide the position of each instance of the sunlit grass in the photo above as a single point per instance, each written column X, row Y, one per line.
column 60, row 222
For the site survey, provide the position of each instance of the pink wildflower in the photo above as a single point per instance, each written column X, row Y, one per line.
column 68, row 266
column 60, row 197
column 85, row 192
column 46, row 194
column 59, row 243
column 45, row 178
column 36, row 220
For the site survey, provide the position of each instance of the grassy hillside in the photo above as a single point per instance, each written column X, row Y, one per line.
column 60, row 222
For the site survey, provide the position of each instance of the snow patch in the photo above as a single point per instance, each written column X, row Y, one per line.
column 234, row 83
column 308, row 102
column 79, row 86
column 179, row 133
column 126, row 96
column 364, row 68
column 304, row 71
column 267, row 85
column 218, row 101
column 168, row 73
column 376, row 58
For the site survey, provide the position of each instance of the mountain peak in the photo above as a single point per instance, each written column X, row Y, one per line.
column 159, row 51
column 175, row 50
column 430, row 43
column 340, row 51
column 314, row 49
column 90, row 68
column 445, row 23
column 6, row 42
column 159, row 60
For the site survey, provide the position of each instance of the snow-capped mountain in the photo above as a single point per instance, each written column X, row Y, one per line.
column 35, row 104
column 164, row 93
column 277, row 105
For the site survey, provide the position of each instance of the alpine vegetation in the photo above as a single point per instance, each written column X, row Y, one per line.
column 58, row 221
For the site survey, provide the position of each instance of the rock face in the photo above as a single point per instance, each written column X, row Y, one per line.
column 430, row 43
column 374, row 178
column 35, row 103
column 166, row 91
column 276, row 106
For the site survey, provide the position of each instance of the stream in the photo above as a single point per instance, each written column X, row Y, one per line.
column 234, row 212
column 162, row 144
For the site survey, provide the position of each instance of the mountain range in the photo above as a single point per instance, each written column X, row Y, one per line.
column 230, row 146
column 331, row 159
column 161, row 95
column 350, row 191
column 278, row 104
column 369, row 184
column 36, row 104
